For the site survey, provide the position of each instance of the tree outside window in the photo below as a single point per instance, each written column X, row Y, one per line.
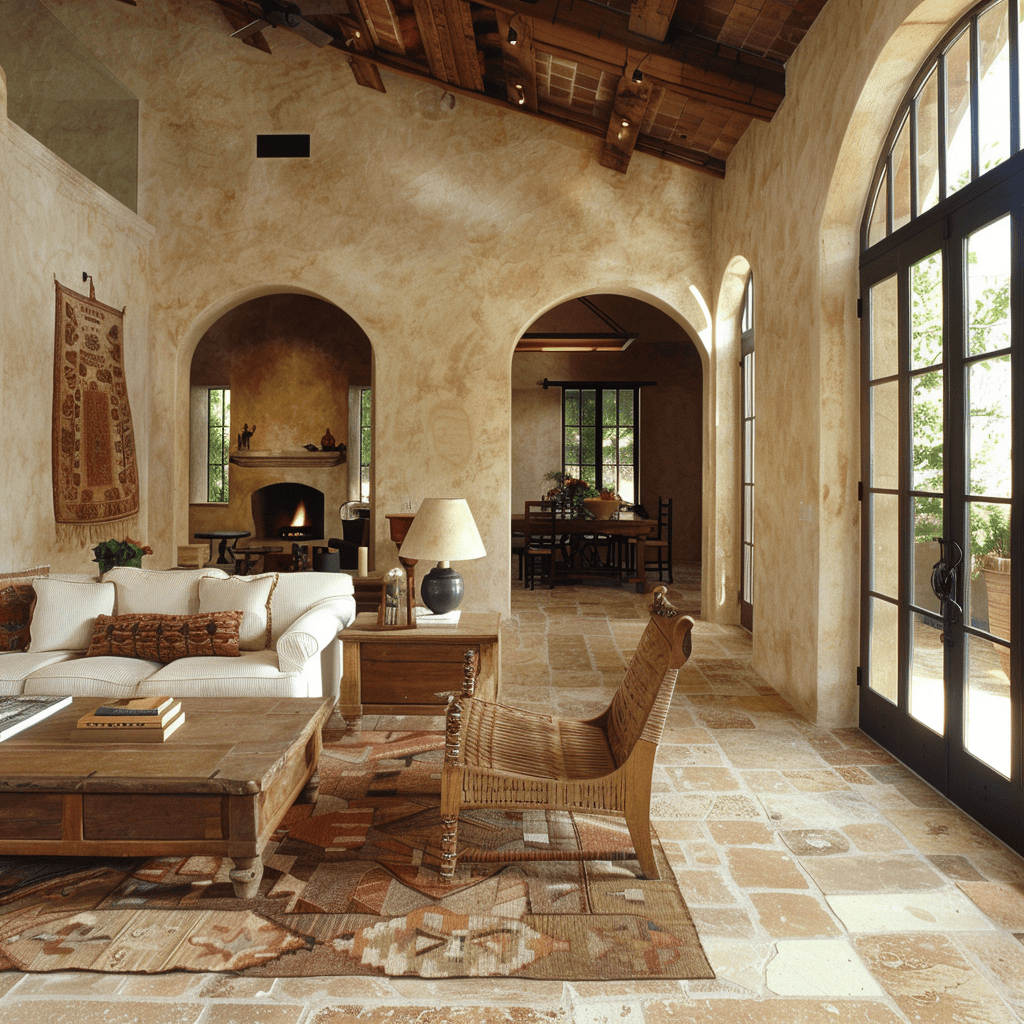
column 599, row 430
column 218, row 443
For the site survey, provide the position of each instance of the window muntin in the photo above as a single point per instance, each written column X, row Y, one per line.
column 218, row 443
column 600, row 437
column 959, row 120
column 365, row 442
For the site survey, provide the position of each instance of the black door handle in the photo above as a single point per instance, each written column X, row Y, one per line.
column 944, row 580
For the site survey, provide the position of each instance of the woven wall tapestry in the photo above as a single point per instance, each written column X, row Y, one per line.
column 95, row 474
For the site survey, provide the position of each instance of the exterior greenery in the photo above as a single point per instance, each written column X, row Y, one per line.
column 599, row 430
column 218, row 443
column 365, row 442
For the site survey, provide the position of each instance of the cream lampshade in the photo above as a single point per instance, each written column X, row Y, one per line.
column 443, row 531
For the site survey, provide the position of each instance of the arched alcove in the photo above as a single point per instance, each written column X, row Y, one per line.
column 289, row 361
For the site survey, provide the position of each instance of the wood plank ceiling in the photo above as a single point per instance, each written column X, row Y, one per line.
column 678, row 79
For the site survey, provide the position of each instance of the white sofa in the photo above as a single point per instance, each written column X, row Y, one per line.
column 287, row 636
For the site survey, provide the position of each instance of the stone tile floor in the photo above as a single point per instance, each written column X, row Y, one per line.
column 827, row 882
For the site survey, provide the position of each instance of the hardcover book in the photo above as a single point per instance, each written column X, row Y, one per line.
column 21, row 711
column 134, row 706
column 95, row 720
column 133, row 735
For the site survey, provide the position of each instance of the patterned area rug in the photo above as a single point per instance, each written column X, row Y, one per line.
column 350, row 887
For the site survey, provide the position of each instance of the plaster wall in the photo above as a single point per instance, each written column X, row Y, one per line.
column 56, row 223
column 433, row 228
column 810, row 172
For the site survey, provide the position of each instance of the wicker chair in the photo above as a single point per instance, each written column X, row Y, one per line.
column 499, row 756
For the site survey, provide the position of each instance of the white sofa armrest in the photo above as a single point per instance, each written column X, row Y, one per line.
column 311, row 632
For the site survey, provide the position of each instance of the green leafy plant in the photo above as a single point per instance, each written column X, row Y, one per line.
column 112, row 552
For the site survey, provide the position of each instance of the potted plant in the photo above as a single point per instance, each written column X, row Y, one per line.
column 570, row 490
column 120, row 552
column 991, row 534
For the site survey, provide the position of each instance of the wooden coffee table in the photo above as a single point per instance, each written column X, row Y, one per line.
column 217, row 786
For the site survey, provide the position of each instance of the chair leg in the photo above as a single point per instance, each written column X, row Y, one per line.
column 638, row 807
column 449, row 845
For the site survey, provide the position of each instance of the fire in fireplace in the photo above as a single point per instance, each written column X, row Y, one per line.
column 288, row 510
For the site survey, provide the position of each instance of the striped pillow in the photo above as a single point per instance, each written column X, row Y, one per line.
column 158, row 591
column 166, row 638
column 251, row 595
column 65, row 613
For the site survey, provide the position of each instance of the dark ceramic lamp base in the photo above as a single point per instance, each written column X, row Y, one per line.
column 442, row 589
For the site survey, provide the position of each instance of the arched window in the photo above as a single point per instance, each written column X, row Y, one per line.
column 747, row 427
column 960, row 120
column 942, row 396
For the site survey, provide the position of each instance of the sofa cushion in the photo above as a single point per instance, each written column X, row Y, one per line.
column 165, row 638
column 91, row 677
column 16, row 667
column 296, row 592
column 163, row 592
column 65, row 612
column 17, row 599
column 252, row 595
column 255, row 674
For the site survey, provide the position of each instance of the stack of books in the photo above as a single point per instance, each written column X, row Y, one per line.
column 134, row 720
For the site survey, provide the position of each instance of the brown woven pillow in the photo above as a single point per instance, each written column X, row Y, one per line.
column 166, row 638
column 16, row 603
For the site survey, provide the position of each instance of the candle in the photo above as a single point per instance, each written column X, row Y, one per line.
column 362, row 561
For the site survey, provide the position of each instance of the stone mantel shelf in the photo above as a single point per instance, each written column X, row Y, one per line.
column 287, row 457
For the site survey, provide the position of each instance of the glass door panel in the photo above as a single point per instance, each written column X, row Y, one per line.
column 927, row 686
column 883, row 677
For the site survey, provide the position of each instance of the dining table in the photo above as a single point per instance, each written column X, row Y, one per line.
column 625, row 525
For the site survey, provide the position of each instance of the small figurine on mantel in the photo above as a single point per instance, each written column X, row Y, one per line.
column 327, row 443
column 244, row 436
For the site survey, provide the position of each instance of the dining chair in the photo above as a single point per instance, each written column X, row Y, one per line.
column 540, row 542
column 658, row 550
column 504, row 757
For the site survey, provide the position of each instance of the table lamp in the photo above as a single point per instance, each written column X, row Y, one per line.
column 443, row 531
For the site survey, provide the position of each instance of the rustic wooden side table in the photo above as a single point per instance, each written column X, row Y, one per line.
column 401, row 672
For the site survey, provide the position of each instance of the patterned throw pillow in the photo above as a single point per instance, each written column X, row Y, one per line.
column 16, row 603
column 166, row 638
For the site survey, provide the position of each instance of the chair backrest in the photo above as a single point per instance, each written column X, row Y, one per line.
column 664, row 518
column 540, row 522
column 640, row 705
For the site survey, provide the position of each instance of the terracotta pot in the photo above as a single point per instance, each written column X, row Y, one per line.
column 601, row 508
column 996, row 572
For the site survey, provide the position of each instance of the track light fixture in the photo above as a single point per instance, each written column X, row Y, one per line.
column 521, row 95
column 513, row 36
column 638, row 75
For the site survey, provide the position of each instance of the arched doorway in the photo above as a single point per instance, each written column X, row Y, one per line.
column 669, row 442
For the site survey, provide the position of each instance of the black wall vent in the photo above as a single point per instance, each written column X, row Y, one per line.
column 282, row 145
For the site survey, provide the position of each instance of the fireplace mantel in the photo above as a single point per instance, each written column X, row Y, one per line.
column 268, row 457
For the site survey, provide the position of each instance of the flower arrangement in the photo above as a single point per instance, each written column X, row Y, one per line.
column 573, row 490
column 120, row 552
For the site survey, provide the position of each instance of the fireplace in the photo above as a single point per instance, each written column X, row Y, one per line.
column 288, row 511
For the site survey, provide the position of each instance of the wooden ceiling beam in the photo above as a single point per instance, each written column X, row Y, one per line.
column 627, row 116
column 651, row 18
column 608, row 31
column 436, row 44
column 610, row 55
column 519, row 59
column 450, row 43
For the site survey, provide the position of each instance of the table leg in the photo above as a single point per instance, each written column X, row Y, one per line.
column 245, row 876
column 641, row 568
